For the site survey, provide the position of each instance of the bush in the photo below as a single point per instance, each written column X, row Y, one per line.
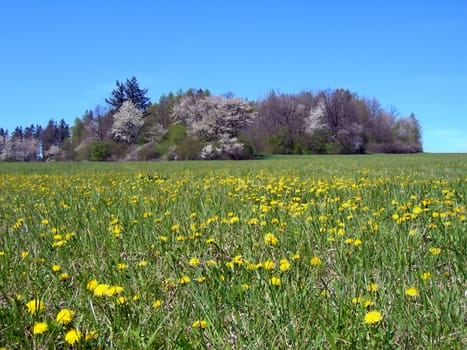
column 106, row 150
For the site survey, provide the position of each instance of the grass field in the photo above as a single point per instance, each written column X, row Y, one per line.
column 304, row 252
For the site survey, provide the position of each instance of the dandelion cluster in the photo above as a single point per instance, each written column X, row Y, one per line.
column 233, row 255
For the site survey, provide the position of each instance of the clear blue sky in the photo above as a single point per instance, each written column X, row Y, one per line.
column 59, row 58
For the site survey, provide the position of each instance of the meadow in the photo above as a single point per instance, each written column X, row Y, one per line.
column 332, row 252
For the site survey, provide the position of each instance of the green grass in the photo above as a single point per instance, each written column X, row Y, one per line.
column 386, row 221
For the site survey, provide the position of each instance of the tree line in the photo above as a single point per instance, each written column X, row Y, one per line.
column 194, row 124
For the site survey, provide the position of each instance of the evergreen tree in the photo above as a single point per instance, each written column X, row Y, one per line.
column 129, row 90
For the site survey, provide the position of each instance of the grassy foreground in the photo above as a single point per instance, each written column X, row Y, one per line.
column 289, row 252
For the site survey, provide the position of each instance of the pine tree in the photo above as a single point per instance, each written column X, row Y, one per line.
column 129, row 90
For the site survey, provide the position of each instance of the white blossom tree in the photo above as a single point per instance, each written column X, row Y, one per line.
column 217, row 122
column 128, row 121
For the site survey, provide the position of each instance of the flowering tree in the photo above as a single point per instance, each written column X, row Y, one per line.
column 216, row 121
column 127, row 122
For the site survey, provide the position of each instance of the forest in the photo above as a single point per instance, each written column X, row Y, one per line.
column 194, row 124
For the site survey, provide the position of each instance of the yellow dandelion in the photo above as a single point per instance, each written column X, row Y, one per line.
column 315, row 261
column 73, row 336
column 92, row 335
column 200, row 324
column 91, row 285
column 269, row 265
column 372, row 287
column 425, row 276
column 40, row 327
column 411, row 292
column 44, row 222
column 56, row 268
column 373, row 317
column 201, row 279
column 435, row 251
column 193, row 262
column 296, row 256
column 142, row 263
column 64, row 276
column 113, row 290
column 35, row 306
column 24, row 254
column 101, row 289
column 284, row 265
column 275, row 281
column 184, row 279
column 157, row 304
column 64, row 316
column 270, row 239
column 121, row 300
column 245, row 286
column 357, row 243
column 121, row 266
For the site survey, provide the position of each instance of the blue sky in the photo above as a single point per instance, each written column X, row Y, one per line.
column 60, row 58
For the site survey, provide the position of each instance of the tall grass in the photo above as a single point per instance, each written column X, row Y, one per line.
column 288, row 252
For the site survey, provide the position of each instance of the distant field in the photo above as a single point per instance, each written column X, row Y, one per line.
column 286, row 252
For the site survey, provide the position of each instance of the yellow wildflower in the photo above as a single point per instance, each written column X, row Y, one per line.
column 411, row 292
column 200, row 324
column 315, row 261
column 275, row 281
column 373, row 317
column 35, row 306
column 64, row 316
column 40, row 327
column 73, row 336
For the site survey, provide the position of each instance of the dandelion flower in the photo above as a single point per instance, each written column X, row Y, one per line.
column 92, row 335
column 200, row 324
column 91, row 285
column 193, row 262
column 269, row 265
column 73, row 336
column 373, row 317
column 101, row 289
column 435, row 251
column 64, row 316
column 121, row 300
column 56, row 268
column 40, row 327
column 184, row 279
column 411, row 292
column 275, row 281
column 425, row 276
column 121, row 266
column 373, row 287
column 284, row 265
column 270, row 239
column 142, row 263
column 315, row 261
column 64, row 276
column 113, row 290
column 35, row 306
column 157, row 304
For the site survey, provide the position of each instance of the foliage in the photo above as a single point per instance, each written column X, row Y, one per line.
column 128, row 120
column 322, row 122
column 287, row 252
column 129, row 90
